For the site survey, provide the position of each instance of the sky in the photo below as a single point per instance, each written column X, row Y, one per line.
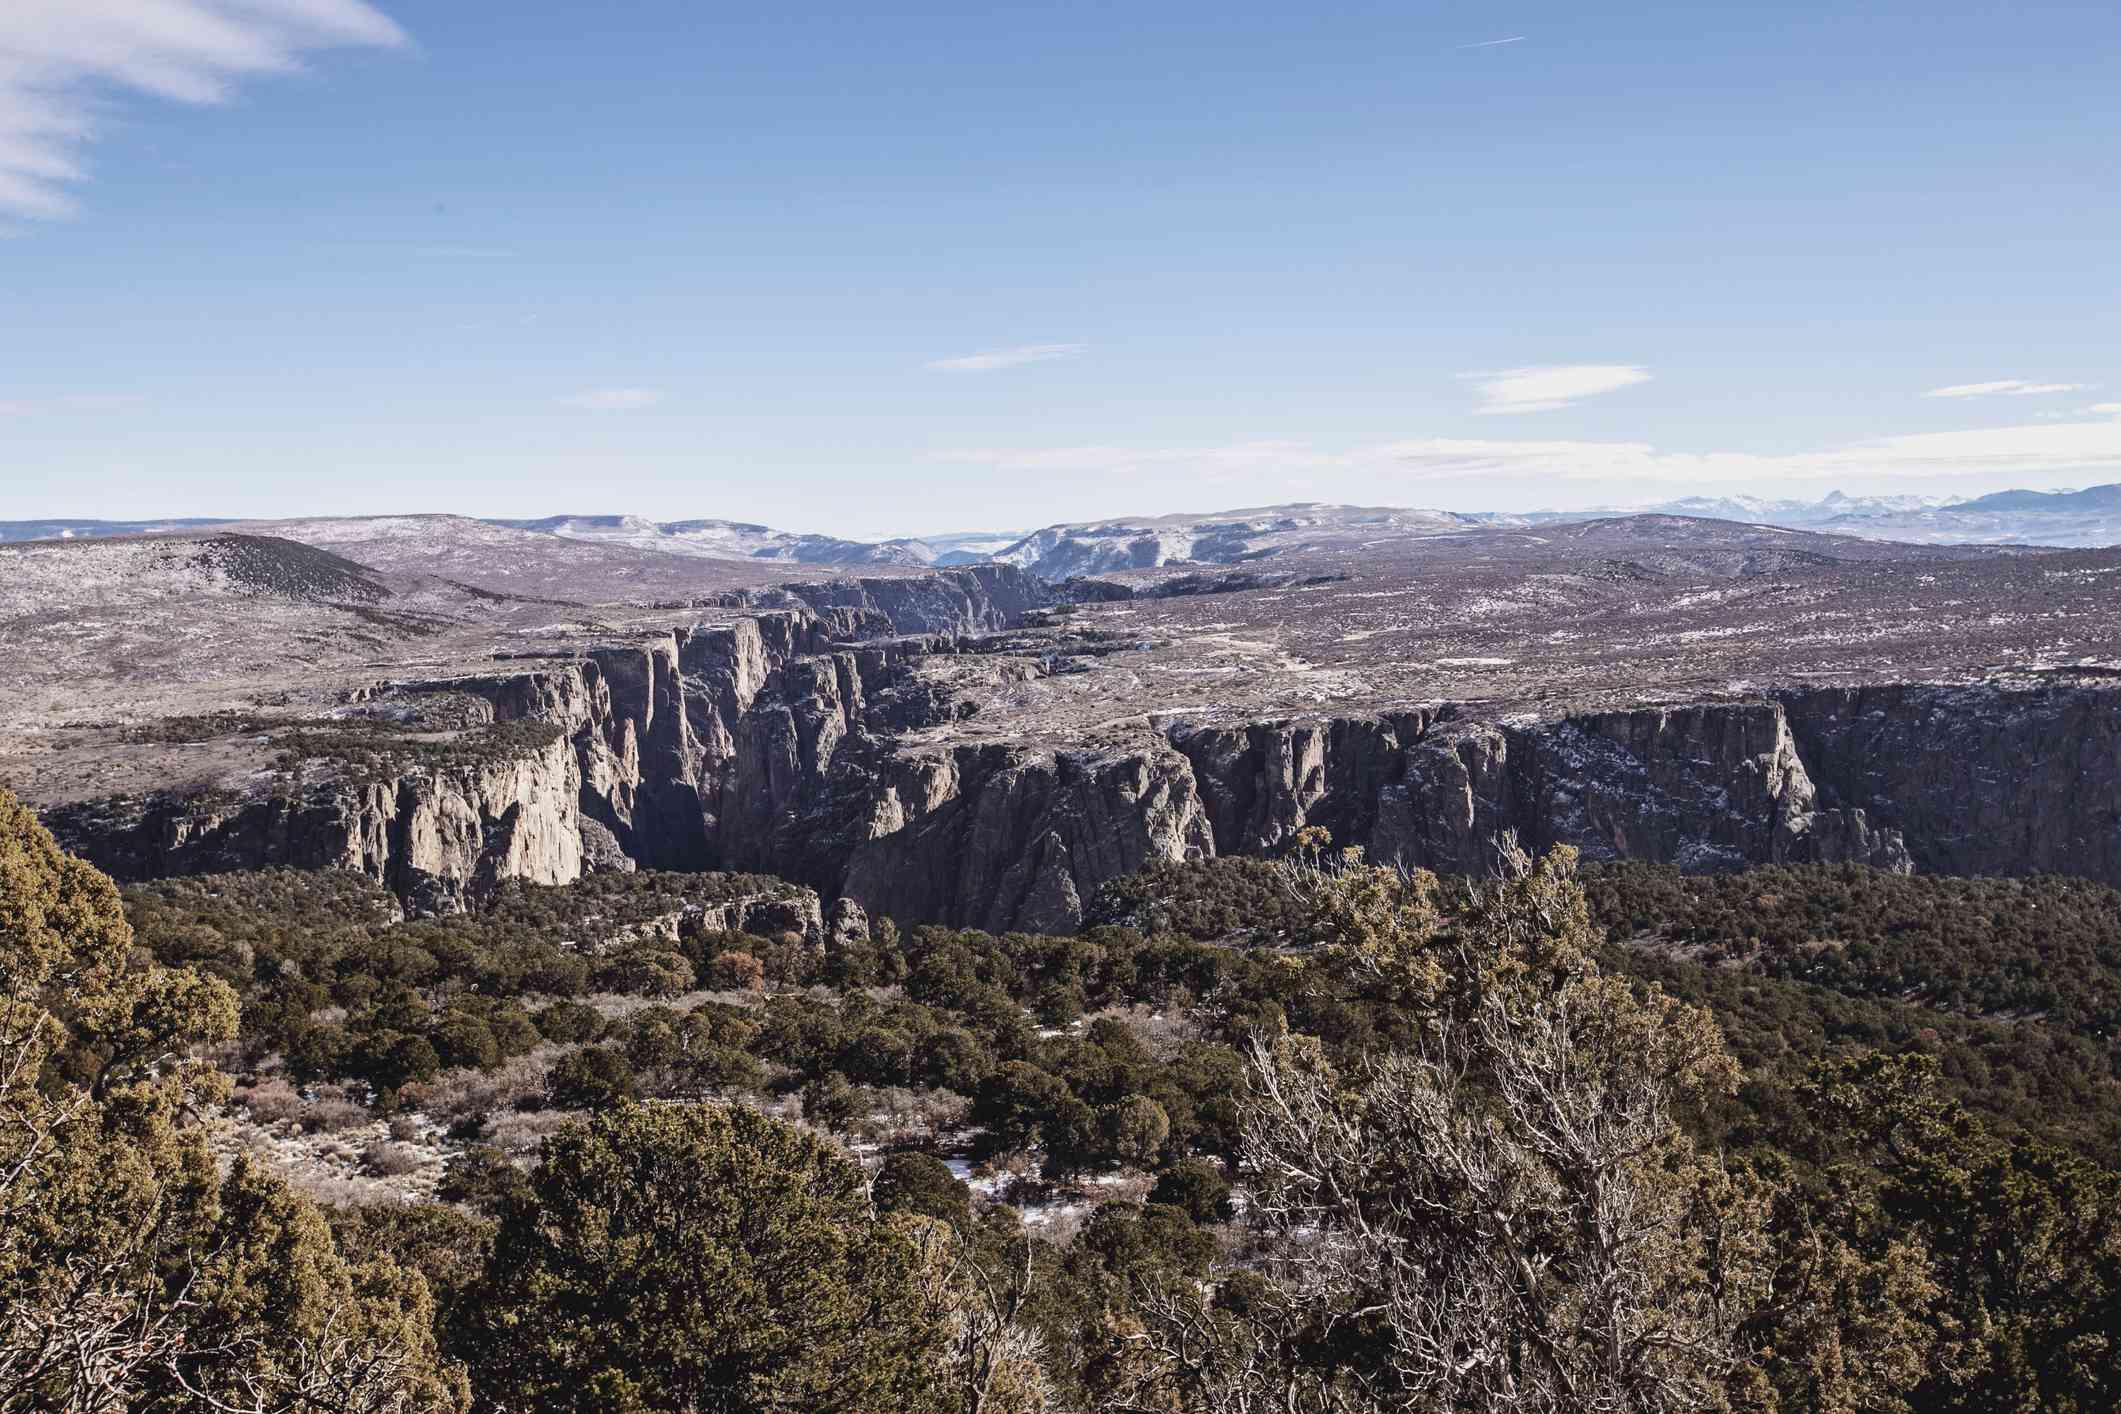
column 875, row 269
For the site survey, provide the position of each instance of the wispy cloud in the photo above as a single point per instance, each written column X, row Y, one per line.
column 2004, row 388
column 2025, row 449
column 1515, row 390
column 59, row 59
column 613, row 399
column 988, row 360
column 1492, row 43
column 2030, row 448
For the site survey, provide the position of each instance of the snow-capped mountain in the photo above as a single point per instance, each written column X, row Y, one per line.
column 1788, row 512
column 2071, row 519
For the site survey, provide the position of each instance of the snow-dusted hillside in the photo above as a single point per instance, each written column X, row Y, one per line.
column 969, row 547
column 1225, row 537
column 2086, row 519
column 512, row 560
column 727, row 540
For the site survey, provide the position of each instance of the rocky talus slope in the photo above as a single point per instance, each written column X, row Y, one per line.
column 811, row 737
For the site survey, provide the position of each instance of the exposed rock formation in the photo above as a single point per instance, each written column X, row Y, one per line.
column 779, row 742
column 975, row 599
column 2003, row 779
column 999, row 839
column 783, row 912
column 1704, row 787
column 846, row 922
column 601, row 853
column 437, row 838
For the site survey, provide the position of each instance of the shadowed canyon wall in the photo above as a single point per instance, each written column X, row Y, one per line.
column 778, row 744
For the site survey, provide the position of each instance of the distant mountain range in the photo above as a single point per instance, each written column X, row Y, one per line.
column 2070, row 519
column 1222, row 537
column 2093, row 499
column 1807, row 513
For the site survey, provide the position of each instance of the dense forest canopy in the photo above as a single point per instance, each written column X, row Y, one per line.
column 1309, row 1136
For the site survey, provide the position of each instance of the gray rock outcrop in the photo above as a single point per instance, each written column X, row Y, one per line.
column 439, row 839
column 778, row 742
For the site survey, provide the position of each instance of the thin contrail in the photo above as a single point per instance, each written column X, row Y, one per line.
column 1491, row 43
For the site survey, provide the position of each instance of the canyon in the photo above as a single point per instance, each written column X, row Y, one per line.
column 979, row 747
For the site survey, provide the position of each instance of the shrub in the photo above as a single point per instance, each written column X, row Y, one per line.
column 461, row 1040
column 1133, row 1240
column 700, row 1257
column 952, row 1059
column 734, row 972
column 570, row 1023
column 647, row 972
column 922, row 1184
column 390, row 1059
column 1196, row 1188
column 591, row 1077
column 481, row 1177
column 389, row 1159
column 830, row 1102
column 1136, row 1129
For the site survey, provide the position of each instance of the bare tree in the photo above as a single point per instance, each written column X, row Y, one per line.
column 1003, row 1359
column 74, row 1317
column 997, row 1360
column 1506, row 1216
column 1510, row 1211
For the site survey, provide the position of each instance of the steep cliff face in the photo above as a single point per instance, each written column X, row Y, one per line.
column 438, row 839
column 1456, row 806
column 1978, row 780
column 646, row 757
column 777, row 742
column 1001, row 839
column 1263, row 782
column 449, row 837
column 657, row 735
column 1706, row 786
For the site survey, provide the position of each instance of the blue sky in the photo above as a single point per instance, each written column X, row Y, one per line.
column 890, row 269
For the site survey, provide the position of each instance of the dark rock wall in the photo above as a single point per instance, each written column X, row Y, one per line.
column 1977, row 780
column 775, row 744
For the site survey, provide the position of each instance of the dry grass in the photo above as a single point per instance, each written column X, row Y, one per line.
column 616, row 1006
column 358, row 1164
column 895, row 1116
column 459, row 1095
column 1163, row 1029
column 520, row 1133
column 273, row 1101
column 389, row 1158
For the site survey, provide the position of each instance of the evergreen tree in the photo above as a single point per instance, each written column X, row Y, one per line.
column 708, row 1259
